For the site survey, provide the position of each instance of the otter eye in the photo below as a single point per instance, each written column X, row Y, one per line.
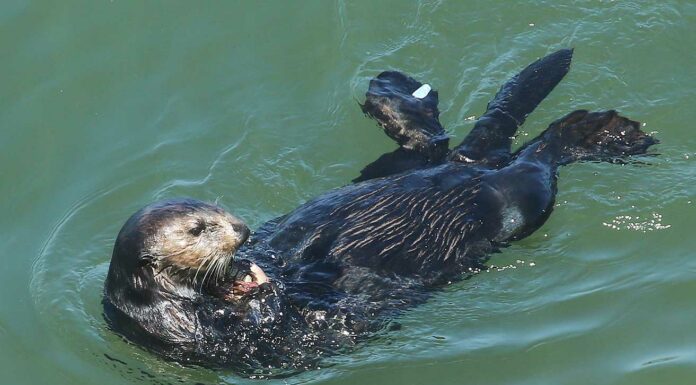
column 145, row 260
column 198, row 229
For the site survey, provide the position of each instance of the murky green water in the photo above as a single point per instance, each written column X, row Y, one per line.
column 108, row 105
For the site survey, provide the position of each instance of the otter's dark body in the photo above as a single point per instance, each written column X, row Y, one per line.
column 342, row 263
column 428, row 225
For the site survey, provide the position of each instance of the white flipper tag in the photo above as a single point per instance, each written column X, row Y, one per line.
column 422, row 91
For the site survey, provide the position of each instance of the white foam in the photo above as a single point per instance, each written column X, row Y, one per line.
column 422, row 91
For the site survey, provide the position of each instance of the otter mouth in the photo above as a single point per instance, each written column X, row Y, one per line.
column 243, row 278
column 246, row 281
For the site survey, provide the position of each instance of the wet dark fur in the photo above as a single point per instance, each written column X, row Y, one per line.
column 344, row 263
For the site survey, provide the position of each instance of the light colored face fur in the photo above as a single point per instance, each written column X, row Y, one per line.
column 194, row 247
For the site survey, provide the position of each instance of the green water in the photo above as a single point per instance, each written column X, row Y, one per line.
column 106, row 106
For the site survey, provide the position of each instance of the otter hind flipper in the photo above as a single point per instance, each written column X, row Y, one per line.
column 407, row 111
column 491, row 137
column 597, row 136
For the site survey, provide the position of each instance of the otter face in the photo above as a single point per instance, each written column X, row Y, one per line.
column 180, row 244
column 193, row 244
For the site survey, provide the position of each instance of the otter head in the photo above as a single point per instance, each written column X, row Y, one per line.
column 173, row 247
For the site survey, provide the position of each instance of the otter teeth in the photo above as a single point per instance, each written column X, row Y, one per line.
column 248, row 278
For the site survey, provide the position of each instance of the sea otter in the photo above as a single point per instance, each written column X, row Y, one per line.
column 185, row 282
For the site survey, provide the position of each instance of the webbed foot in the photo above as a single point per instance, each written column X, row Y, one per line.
column 602, row 136
column 407, row 111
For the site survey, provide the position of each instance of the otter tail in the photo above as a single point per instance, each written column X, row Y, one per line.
column 522, row 94
column 602, row 136
column 518, row 97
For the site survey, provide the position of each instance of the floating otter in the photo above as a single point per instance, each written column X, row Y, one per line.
column 337, row 269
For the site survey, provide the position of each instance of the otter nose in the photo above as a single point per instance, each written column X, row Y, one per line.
column 242, row 230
